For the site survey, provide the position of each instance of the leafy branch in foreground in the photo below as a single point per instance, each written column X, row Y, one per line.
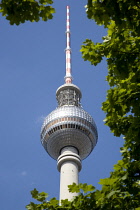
column 19, row 11
column 121, row 47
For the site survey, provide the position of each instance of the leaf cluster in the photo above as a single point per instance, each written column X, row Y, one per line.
column 112, row 196
column 121, row 47
column 19, row 11
column 124, row 13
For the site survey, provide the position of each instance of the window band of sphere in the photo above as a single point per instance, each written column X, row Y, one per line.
column 66, row 121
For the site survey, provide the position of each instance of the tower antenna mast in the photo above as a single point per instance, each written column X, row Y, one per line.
column 68, row 77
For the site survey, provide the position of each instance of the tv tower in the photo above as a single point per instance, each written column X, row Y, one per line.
column 68, row 133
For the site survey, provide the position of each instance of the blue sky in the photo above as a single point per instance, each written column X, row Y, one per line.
column 32, row 67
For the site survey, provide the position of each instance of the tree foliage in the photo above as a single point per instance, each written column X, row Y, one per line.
column 121, row 47
column 19, row 11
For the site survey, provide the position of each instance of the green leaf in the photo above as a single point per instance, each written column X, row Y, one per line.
column 112, row 193
column 39, row 196
column 107, row 181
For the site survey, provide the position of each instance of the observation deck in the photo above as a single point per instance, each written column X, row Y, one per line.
column 69, row 125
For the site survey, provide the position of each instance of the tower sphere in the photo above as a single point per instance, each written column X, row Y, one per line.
column 69, row 125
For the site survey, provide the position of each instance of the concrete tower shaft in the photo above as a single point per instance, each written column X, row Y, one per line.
column 69, row 165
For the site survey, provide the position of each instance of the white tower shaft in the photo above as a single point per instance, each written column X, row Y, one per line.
column 69, row 165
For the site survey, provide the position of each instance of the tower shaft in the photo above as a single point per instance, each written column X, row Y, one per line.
column 69, row 165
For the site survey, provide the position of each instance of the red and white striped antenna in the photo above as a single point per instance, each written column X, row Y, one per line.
column 68, row 77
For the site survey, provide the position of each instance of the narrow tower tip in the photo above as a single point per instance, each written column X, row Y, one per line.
column 68, row 77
